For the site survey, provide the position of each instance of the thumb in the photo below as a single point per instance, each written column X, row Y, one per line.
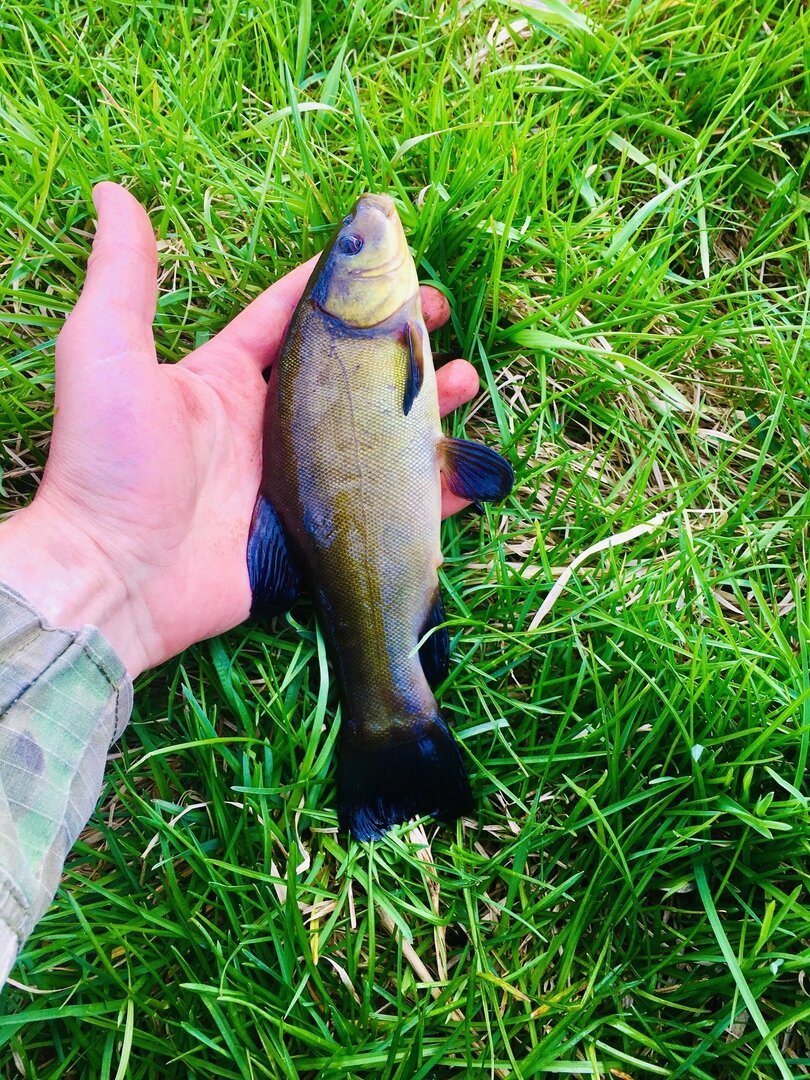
column 113, row 317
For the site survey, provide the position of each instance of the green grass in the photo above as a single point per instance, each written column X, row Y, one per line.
column 616, row 200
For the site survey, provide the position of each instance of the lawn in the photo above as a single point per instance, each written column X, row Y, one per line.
column 615, row 199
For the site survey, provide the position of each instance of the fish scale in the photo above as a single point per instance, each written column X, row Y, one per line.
column 385, row 507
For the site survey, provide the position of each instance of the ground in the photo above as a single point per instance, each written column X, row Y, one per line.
column 614, row 198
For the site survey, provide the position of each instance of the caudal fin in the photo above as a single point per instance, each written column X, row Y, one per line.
column 384, row 782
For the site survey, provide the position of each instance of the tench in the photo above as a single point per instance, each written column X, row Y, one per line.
column 350, row 506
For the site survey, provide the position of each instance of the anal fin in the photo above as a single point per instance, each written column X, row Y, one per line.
column 274, row 580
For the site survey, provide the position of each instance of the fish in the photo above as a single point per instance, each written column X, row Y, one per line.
column 349, row 508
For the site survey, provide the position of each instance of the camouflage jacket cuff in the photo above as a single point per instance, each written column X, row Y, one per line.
column 65, row 697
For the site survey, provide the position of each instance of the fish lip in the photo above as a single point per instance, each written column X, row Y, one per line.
column 382, row 203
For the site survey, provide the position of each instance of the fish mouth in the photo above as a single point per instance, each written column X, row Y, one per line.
column 383, row 203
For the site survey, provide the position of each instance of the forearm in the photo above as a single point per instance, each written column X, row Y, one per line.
column 64, row 697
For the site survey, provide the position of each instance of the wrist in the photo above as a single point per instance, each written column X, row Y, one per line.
column 63, row 573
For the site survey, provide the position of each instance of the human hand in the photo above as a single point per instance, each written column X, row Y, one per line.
column 140, row 524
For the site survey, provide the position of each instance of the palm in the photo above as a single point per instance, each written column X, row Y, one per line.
column 160, row 464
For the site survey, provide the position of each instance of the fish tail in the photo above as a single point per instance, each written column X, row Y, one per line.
column 417, row 770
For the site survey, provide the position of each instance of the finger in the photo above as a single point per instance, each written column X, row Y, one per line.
column 435, row 308
column 255, row 335
column 116, row 308
column 457, row 383
column 451, row 504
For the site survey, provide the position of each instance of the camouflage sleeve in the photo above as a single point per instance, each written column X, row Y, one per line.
column 64, row 697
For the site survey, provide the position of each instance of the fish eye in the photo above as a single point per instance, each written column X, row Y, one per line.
column 347, row 219
column 350, row 244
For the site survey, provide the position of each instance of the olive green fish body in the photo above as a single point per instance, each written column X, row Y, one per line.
column 350, row 505
column 357, row 485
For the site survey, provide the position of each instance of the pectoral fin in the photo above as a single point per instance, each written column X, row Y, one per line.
column 473, row 471
column 274, row 579
column 416, row 366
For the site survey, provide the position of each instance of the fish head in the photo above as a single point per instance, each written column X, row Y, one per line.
column 368, row 273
